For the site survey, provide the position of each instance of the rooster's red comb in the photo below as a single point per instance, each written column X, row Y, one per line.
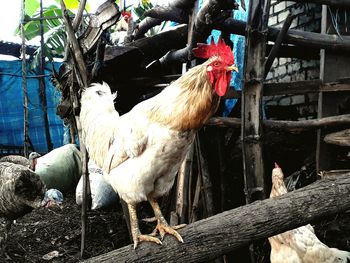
column 126, row 13
column 219, row 49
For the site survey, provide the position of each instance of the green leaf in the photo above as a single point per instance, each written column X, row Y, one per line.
column 73, row 4
column 31, row 6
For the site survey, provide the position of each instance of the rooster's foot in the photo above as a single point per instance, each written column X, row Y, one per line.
column 162, row 228
column 139, row 238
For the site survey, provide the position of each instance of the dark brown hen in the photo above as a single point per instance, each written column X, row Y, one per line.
column 21, row 190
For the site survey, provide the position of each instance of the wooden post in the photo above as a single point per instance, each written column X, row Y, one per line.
column 254, row 74
column 256, row 35
column 24, row 77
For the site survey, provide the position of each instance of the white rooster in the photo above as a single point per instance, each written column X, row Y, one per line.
column 300, row 245
column 141, row 151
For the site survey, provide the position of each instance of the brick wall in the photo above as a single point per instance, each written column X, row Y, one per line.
column 291, row 69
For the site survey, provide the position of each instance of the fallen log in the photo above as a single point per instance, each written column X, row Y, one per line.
column 214, row 236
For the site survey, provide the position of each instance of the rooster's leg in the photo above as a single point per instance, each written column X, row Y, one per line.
column 162, row 225
column 135, row 231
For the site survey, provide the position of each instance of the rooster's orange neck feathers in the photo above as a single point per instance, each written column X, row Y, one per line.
column 195, row 103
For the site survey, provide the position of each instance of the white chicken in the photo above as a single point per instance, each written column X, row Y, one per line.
column 141, row 151
column 300, row 245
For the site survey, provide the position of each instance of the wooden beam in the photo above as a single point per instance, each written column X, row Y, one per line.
column 295, row 37
column 335, row 3
column 304, row 86
column 308, row 124
column 209, row 238
column 286, row 125
column 295, row 87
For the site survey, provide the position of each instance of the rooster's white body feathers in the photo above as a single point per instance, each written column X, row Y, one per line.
column 139, row 157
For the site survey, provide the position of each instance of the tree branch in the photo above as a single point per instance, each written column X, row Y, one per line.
column 175, row 12
column 169, row 13
column 77, row 19
column 145, row 25
column 210, row 14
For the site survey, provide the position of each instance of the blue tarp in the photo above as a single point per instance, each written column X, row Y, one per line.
column 12, row 110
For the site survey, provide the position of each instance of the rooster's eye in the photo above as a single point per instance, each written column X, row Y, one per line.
column 216, row 63
column 99, row 93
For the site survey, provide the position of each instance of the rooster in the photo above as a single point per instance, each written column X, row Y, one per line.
column 300, row 245
column 141, row 151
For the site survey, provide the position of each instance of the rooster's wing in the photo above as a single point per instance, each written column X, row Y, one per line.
column 130, row 140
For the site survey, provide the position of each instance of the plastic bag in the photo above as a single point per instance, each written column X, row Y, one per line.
column 102, row 193
column 61, row 168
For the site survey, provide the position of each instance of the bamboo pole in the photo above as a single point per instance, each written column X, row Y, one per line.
column 82, row 78
column 24, row 78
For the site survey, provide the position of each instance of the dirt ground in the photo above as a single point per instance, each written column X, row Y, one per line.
column 58, row 229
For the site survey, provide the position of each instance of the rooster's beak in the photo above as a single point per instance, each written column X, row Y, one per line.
column 233, row 67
